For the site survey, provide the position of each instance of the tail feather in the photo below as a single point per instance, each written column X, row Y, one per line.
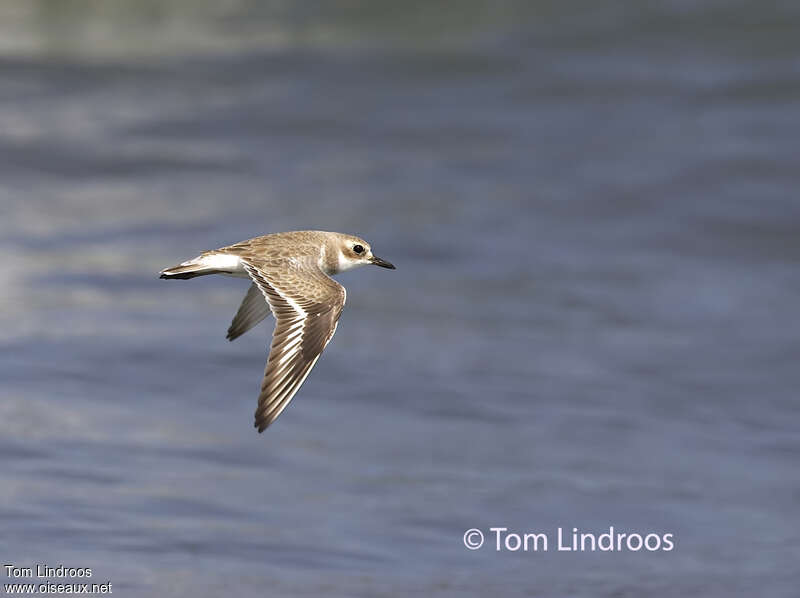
column 186, row 272
column 210, row 262
column 190, row 269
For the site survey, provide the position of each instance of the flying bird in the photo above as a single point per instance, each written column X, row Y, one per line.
column 291, row 277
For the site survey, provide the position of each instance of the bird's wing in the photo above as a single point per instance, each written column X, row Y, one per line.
column 306, row 304
column 252, row 310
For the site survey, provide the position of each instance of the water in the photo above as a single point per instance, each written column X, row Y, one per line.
column 593, row 210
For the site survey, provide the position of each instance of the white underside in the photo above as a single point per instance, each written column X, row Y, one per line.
column 230, row 264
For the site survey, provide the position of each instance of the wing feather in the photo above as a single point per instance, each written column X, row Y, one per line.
column 252, row 310
column 306, row 304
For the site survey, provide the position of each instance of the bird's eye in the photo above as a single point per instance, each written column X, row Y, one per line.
column 358, row 249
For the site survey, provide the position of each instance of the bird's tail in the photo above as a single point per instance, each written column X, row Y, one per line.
column 202, row 265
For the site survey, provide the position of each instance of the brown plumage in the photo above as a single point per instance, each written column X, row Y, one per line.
column 292, row 273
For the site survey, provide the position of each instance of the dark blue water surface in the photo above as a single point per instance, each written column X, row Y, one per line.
column 593, row 209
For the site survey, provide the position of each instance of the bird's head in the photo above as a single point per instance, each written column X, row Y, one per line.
column 351, row 252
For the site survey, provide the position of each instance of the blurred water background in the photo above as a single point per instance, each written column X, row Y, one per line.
column 593, row 208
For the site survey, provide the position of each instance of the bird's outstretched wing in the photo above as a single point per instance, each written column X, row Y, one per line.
column 252, row 310
column 306, row 304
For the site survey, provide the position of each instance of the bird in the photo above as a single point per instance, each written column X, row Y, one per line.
column 291, row 277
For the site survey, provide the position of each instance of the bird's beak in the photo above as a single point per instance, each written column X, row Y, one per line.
column 382, row 263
